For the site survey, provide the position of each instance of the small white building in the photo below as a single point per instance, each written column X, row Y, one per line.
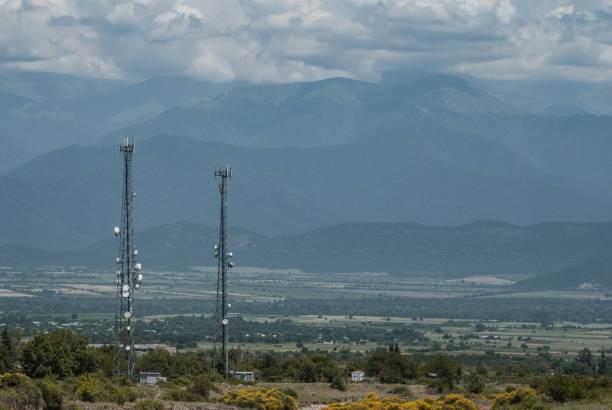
column 244, row 376
column 357, row 376
column 151, row 378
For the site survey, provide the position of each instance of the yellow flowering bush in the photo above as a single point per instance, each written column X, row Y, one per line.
column 268, row 399
column 19, row 392
column 372, row 401
column 522, row 396
column 13, row 379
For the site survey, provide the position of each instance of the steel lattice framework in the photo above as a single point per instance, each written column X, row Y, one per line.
column 128, row 272
column 223, row 256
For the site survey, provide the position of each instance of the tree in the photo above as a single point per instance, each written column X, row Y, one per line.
column 4, row 338
column 10, row 339
column 447, row 369
column 391, row 367
column 585, row 362
column 475, row 383
column 6, row 364
column 602, row 364
column 59, row 353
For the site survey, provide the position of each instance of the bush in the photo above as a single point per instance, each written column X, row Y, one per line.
column 475, row 383
column 289, row 392
column 18, row 392
column 189, row 390
column 52, row 394
column 97, row 388
column 269, row 399
column 523, row 398
column 337, row 383
column 372, row 401
column 447, row 369
column 149, row 405
column 564, row 388
column 201, row 386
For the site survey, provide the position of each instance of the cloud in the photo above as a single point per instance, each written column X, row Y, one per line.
column 288, row 40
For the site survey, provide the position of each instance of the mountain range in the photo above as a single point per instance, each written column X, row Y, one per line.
column 40, row 112
column 70, row 197
column 557, row 255
column 435, row 150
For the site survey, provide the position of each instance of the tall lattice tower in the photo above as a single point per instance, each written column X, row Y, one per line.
column 129, row 277
column 223, row 256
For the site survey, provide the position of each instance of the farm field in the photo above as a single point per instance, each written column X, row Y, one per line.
column 261, row 284
column 173, row 303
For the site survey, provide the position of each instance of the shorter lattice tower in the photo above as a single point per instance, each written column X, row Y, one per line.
column 129, row 277
column 223, row 256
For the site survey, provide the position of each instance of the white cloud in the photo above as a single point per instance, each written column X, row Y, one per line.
column 285, row 40
column 559, row 12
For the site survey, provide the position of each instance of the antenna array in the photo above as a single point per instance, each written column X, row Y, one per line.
column 223, row 256
column 129, row 277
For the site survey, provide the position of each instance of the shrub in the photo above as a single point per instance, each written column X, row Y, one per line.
column 523, row 397
column 289, row 392
column 564, row 388
column 447, row 369
column 88, row 388
column 18, row 392
column 250, row 397
column 190, row 390
column 52, row 394
column 475, row 383
column 337, row 383
column 372, row 401
column 97, row 388
column 201, row 386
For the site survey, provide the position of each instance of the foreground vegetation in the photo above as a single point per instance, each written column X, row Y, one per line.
column 59, row 370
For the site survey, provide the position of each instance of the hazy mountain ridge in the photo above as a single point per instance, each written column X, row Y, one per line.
column 560, row 255
column 320, row 113
column 591, row 274
column 40, row 112
column 340, row 111
column 431, row 180
column 437, row 150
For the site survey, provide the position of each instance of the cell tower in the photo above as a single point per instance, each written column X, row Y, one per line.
column 223, row 256
column 129, row 277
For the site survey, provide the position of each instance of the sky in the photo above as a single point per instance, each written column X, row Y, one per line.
column 288, row 40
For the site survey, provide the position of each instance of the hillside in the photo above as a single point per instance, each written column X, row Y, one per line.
column 320, row 113
column 485, row 247
column 437, row 151
column 590, row 274
column 573, row 146
column 40, row 112
column 70, row 197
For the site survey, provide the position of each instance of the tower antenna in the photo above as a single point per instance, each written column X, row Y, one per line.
column 129, row 277
column 223, row 256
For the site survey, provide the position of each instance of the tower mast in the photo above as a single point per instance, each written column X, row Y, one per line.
column 129, row 277
column 223, row 256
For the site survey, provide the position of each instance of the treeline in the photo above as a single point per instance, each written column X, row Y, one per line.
column 541, row 310
column 186, row 330
column 60, row 367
